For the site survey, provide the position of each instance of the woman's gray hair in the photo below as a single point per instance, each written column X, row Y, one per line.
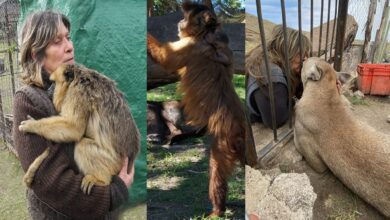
column 39, row 30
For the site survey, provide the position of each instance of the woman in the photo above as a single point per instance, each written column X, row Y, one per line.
column 55, row 192
column 258, row 101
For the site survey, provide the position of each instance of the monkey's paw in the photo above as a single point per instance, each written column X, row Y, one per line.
column 87, row 183
column 27, row 125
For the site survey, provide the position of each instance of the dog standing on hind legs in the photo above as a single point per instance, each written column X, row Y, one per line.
column 205, row 65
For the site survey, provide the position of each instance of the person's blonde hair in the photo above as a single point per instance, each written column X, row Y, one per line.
column 276, row 55
column 39, row 30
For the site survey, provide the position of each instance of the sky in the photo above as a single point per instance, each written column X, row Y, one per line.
column 271, row 10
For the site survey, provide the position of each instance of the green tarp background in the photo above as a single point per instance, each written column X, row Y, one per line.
column 110, row 36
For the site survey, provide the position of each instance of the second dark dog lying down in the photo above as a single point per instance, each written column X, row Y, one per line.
column 328, row 135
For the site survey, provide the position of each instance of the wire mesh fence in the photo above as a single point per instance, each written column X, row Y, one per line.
column 9, row 66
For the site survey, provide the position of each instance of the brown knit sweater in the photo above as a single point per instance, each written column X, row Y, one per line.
column 57, row 181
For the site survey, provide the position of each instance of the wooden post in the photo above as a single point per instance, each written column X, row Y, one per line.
column 341, row 23
column 2, row 121
column 11, row 63
column 379, row 32
column 367, row 37
column 149, row 5
column 382, row 46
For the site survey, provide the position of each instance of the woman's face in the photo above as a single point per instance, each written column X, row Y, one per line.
column 59, row 51
column 296, row 64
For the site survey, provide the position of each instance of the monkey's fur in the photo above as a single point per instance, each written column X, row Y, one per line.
column 204, row 62
column 329, row 136
column 93, row 113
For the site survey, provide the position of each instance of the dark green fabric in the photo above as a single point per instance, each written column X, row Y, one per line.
column 110, row 36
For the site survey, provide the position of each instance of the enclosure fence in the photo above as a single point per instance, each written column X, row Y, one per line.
column 341, row 8
column 9, row 67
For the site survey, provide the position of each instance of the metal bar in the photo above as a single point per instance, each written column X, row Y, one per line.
column 327, row 31
column 300, row 30
column 311, row 27
column 270, row 86
column 319, row 41
column 334, row 26
column 287, row 62
column 270, row 146
column 341, row 23
column 250, row 149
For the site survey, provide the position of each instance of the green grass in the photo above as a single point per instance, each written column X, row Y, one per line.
column 357, row 101
column 187, row 196
column 169, row 92
column 239, row 86
column 178, row 178
column 13, row 193
column 164, row 93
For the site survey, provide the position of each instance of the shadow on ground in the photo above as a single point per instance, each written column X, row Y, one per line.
column 178, row 183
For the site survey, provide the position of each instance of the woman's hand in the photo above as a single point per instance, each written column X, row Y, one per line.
column 127, row 177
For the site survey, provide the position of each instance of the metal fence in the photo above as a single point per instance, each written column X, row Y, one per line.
column 341, row 8
column 9, row 66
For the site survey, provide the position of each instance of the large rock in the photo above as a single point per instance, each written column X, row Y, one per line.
column 278, row 195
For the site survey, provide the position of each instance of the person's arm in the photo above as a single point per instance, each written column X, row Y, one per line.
column 263, row 104
column 56, row 183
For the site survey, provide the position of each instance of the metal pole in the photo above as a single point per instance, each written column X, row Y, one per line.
column 300, row 30
column 319, row 41
column 334, row 26
column 287, row 62
column 327, row 31
column 270, row 86
column 250, row 149
column 311, row 27
column 341, row 23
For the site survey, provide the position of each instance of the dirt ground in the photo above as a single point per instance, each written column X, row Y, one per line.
column 334, row 200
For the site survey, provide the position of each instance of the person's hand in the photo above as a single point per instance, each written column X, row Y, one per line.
column 127, row 177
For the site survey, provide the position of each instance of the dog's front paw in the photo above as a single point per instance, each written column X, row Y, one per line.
column 27, row 125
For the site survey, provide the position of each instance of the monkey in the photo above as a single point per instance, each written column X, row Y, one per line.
column 204, row 62
column 94, row 114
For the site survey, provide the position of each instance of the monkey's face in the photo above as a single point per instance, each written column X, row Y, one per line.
column 66, row 77
column 198, row 20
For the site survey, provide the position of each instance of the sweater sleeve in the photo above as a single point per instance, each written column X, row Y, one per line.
column 57, row 183
column 262, row 102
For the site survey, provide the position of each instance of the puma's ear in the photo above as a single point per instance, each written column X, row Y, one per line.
column 343, row 77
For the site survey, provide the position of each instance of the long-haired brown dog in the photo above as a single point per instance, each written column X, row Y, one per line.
column 204, row 62
column 93, row 113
